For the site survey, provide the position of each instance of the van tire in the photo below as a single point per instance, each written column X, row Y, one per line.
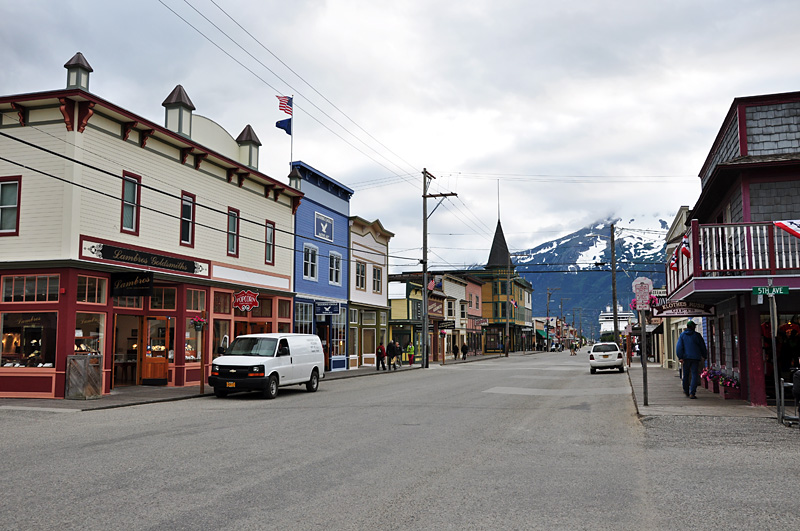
column 313, row 383
column 220, row 393
column 271, row 391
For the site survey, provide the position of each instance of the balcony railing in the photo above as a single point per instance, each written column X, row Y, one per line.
column 735, row 249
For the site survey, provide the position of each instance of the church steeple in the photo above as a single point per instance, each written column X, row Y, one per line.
column 499, row 257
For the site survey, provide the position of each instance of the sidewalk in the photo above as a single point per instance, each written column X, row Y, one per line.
column 143, row 394
column 665, row 397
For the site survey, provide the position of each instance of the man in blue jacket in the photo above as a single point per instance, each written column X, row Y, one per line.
column 691, row 350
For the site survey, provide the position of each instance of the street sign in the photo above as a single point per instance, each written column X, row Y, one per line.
column 771, row 290
column 642, row 287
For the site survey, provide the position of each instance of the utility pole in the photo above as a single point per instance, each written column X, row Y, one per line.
column 426, row 177
column 547, row 324
column 507, row 341
column 562, row 318
column 614, row 285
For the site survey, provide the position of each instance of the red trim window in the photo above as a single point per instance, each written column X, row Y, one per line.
column 233, row 232
column 10, row 193
column 269, row 243
column 131, row 201
column 188, row 206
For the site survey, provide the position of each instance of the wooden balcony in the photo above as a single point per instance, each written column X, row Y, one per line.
column 734, row 257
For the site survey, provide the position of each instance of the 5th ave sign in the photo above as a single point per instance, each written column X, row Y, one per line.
column 771, row 290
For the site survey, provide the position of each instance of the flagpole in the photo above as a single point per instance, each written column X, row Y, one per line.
column 291, row 142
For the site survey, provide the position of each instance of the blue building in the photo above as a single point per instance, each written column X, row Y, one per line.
column 321, row 261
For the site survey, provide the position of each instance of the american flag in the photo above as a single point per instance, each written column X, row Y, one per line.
column 285, row 104
column 685, row 247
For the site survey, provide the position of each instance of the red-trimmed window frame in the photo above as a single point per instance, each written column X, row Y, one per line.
column 18, row 180
column 130, row 177
column 193, row 198
column 269, row 242
column 235, row 233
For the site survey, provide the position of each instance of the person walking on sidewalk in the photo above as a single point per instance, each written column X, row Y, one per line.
column 410, row 352
column 391, row 352
column 381, row 354
column 455, row 350
column 691, row 350
column 464, row 350
column 398, row 355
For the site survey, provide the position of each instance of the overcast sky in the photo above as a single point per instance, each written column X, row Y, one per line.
column 575, row 111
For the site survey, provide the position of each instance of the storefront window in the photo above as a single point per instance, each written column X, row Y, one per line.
column 193, row 344
column 91, row 290
column 29, row 339
column 303, row 315
column 284, row 328
column 195, row 300
column 369, row 340
column 89, row 330
column 264, row 308
column 368, row 318
column 284, row 309
column 127, row 302
column 163, row 299
column 222, row 303
column 30, row 288
column 338, row 331
column 222, row 335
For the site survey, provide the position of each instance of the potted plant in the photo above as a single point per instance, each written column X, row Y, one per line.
column 729, row 387
column 198, row 322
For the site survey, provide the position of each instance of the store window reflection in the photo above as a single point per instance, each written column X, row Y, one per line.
column 222, row 334
column 89, row 329
column 194, row 342
column 28, row 339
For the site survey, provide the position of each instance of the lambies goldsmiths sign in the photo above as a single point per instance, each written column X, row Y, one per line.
column 110, row 252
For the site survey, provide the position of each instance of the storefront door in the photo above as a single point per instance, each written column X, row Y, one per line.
column 127, row 343
column 160, row 350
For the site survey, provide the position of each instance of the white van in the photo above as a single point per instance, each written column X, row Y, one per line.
column 263, row 362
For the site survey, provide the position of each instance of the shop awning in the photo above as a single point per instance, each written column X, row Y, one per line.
column 541, row 333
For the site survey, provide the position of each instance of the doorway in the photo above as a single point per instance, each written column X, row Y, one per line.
column 160, row 350
column 127, row 345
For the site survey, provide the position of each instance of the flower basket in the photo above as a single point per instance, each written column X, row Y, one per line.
column 729, row 387
column 198, row 322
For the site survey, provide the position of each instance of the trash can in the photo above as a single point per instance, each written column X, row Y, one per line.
column 84, row 376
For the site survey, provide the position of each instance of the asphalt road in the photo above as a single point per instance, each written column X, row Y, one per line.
column 528, row 442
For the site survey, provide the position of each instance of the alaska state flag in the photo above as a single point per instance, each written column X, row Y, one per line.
column 286, row 125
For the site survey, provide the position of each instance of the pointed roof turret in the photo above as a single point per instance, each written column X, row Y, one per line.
column 178, row 96
column 499, row 255
column 78, row 71
column 248, row 135
column 80, row 61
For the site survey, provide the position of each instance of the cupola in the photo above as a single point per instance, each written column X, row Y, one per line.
column 78, row 70
column 295, row 178
column 179, row 112
column 248, row 147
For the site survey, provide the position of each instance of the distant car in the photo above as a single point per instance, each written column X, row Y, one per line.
column 606, row 356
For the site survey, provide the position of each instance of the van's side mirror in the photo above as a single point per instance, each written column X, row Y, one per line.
column 221, row 350
column 283, row 351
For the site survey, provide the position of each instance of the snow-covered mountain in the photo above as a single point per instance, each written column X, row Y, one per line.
column 576, row 267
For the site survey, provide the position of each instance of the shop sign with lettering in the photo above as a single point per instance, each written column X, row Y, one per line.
column 245, row 300
column 135, row 284
column 110, row 252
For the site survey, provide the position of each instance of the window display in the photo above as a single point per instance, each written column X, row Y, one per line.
column 89, row 331
column 28, row 339
column 193, row 344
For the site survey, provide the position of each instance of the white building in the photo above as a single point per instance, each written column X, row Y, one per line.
column 147, row 245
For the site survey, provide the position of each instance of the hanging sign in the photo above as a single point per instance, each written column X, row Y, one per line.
column 683, row 309
column 326, row 308
column 245, row 300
